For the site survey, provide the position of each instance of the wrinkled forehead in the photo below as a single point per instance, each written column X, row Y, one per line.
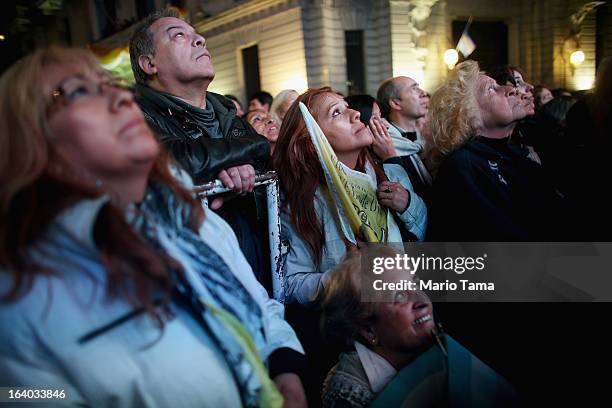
column 405, row 82
column 165, row 24
column 484, row 81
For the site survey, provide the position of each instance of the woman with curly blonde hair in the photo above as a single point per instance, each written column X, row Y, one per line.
column 486, row 189
column 454, row 114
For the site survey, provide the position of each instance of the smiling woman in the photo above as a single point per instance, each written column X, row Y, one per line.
column 398, row 355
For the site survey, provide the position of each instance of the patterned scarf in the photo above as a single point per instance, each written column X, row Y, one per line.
column 229, row 312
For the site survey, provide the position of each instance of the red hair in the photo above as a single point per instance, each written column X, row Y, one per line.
column 35, row 187
column 299, row 170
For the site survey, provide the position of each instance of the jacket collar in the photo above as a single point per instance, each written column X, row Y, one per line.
column 378, row 370
column 499, row 149
column 168, row 105
column 78, row 221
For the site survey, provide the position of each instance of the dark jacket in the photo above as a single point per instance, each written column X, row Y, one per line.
column 190, row 144
column 587, row 169
column 488, row 190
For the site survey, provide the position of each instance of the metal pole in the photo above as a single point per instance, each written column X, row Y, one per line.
column 269, row 180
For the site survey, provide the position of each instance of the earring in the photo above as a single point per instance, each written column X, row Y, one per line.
column 373, row 341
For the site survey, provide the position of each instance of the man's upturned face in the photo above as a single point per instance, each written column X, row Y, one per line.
column 180, row 52
column 412, row 100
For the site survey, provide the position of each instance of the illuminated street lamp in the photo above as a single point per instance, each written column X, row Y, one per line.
column 577, row 58
column 451, row 57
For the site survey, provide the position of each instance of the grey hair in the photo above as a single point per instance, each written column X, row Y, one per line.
column 388, row 90
column 141, row 42
column 278, row 101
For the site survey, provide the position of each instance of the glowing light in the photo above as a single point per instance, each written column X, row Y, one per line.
column 451, row 56
column 2, row 37
column 584, row 82
column 577, row 57
column 298, row 82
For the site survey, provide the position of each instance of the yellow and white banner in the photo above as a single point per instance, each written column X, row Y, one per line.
column 353, row 192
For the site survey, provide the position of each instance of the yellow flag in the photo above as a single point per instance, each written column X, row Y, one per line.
column 353, row 192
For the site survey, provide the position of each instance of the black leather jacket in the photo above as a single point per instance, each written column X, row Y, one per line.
column 190, row 144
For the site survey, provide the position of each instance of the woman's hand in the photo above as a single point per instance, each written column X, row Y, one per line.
column 382, row 144
column 290, row 386
column 393, row 195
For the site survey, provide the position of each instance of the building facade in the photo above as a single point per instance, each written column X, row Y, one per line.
column 352, row 45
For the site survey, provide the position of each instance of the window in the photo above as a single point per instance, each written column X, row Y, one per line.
column 250, row 67
column 355, row 64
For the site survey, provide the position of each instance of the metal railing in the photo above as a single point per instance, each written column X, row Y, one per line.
column 270, row 181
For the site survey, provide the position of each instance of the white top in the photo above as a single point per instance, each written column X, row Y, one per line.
column 378, row 370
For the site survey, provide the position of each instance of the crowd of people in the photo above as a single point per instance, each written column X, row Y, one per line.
column 122, row 289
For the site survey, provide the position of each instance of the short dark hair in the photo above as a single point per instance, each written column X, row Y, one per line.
column 141, row 42
column 388, row 90
column 263, row 97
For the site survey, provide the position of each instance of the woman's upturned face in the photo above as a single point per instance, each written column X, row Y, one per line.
column 406, row 322
column 525, row 91
column 97, row 127
column 497, row 103
column 264, row 124
column 341, row 125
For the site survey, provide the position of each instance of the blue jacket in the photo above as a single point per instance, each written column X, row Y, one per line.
column 134, row 364
column 302, row 278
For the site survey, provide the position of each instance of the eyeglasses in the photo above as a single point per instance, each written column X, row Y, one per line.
column 77, row 89
column 404, row 296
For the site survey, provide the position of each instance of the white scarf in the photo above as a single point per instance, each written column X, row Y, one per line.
column 406, row 147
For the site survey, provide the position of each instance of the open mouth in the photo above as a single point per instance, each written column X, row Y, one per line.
column 422, row 319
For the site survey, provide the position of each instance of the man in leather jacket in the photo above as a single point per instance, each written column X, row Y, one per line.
column 173, row 70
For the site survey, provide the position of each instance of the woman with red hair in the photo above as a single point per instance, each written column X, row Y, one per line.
column 309, row 220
